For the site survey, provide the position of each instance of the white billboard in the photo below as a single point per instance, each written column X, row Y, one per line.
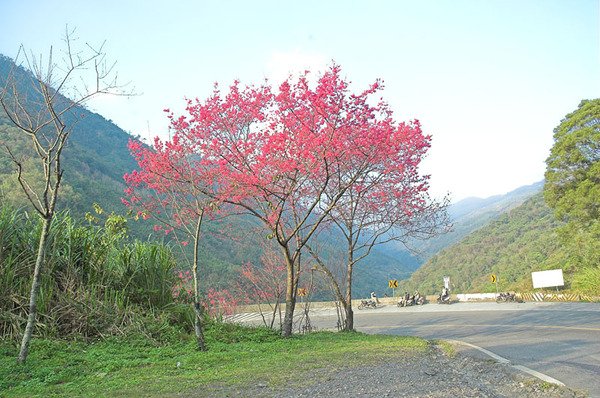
column 551, row 278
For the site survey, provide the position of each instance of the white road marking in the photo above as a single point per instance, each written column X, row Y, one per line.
column 503, row 360
column 498, row 358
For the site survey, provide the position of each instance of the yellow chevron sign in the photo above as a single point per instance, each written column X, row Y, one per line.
column 393, row 283
column 493, row 278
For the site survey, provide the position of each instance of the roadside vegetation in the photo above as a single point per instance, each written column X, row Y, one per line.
column 572, row 190
column 97, row 281
column 111, row 322
column 239, row 356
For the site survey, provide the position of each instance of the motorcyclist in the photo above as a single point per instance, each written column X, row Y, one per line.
column 407, row 299
column 417, row 297
column 374, row 298
column 401, row 302
column 445, row 296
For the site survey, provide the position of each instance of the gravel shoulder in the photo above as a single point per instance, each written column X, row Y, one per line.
column 436, row 373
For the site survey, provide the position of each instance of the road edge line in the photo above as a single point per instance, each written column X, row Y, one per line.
column 505, row 361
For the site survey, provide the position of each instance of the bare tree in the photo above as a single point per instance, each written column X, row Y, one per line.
column 45, row 105
column 362, row 231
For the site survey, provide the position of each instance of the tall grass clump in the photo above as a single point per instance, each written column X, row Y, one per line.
column 587, row 281
column 96, row 282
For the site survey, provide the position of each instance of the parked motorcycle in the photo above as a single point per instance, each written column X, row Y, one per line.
column 406, row 300
column 506, row 298
column 367, row 304
column 444, row 299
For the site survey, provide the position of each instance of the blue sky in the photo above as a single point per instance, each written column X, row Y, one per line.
column 488, row 79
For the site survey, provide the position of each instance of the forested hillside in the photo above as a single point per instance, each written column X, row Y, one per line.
column 469, row 214
column 96, row 157
column 511, row 247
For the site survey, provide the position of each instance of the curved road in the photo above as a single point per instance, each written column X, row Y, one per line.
column 561, row 340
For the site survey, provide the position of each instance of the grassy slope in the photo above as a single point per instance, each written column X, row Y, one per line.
column 237, row 355
column 511, row 247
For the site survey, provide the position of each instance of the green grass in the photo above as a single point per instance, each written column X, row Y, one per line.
column 137, row 367
column 448, row 348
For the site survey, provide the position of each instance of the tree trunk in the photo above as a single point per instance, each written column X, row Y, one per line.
column 198, row 329
column 290, row 304
column 35, row 289
column 290, row 296
column 343, row 304
column 349, row 325
column 274, row 314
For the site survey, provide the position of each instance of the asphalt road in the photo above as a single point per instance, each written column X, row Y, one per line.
column 561, row 340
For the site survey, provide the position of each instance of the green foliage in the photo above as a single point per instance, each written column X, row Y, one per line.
column 573, row 168
column 94, row 283
column 588, row 281
column 572, row 190
column 229, row 333
column 134, row 366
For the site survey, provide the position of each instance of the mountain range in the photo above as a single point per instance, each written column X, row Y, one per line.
column 467, row 216
column 95, row 159
column 472, row 213
column 510, row 247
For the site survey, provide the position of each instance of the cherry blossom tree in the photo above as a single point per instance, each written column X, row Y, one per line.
column 389, row 202
column 265, row 283
column 171, row 186
column 287, row 156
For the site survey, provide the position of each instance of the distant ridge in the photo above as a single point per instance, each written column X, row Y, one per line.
column 507, row 200
column 512, row 246
column 467, row 215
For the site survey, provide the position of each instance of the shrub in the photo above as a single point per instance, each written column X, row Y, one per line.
column 95, row 282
